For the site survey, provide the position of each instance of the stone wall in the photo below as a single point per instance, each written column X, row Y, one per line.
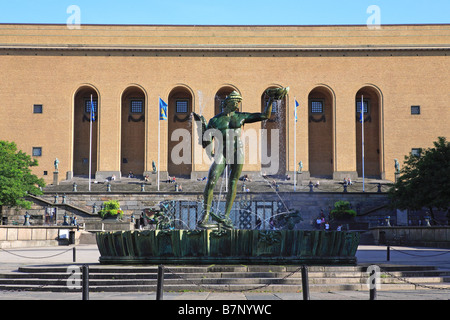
column 438, row 237
column 35, row 236
column 370, row 207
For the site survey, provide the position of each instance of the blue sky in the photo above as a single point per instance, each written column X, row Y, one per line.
column 226, row 12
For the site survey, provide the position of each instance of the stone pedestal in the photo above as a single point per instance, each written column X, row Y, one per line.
column 106, row 175
column 301, row 177
column 56, row 178
column 341, row 175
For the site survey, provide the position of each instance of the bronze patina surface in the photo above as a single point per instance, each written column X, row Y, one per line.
column 228, row 125
column 228, row 247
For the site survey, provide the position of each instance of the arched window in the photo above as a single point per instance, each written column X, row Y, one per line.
column 179, row 132
column 133, row 119
column 273, row 138
column 369, row 98
column 320, row 132
column 85, row 144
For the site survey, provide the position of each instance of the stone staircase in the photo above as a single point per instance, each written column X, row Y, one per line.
column 221, row 278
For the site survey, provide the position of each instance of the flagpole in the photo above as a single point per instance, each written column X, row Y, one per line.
column 90, row 145
column 159, row 135
column 295, row 142
column 362, row 138
column 226, row 177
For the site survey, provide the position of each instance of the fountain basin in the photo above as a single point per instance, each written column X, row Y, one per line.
column 228, row 247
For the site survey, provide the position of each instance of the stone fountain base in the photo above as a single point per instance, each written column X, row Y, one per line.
column 228, row 247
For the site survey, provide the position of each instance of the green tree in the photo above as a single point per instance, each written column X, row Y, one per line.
column 424, row 180
column 16, row 179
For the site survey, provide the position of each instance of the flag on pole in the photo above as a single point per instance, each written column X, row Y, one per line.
column 162, row 110
column 295, row 110
column 362, row 139
column 162, row 116
column 90, row 143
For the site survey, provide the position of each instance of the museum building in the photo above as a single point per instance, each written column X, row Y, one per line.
column 53, row 76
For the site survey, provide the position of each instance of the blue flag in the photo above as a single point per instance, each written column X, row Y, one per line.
column 162, row 110
column 92, row 112
column 361, row 118
column 295, row 111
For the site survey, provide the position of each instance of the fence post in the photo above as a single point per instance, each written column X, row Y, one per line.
column 388, row 253
column 305, row 285
column 160, row 283
column 373, row 294
column 85, row 283
column 74, row 254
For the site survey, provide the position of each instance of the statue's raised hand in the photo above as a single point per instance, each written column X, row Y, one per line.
column 203, row 127
column 277, row 93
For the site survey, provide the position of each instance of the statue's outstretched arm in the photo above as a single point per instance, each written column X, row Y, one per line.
column 260, row 116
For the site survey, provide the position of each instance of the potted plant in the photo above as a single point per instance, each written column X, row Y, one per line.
column 342, row 211
column 111, row 209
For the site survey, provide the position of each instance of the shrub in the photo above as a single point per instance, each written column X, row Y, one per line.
column 111, row 208
column 342, row 211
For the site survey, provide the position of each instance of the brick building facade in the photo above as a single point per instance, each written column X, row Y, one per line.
column 50, row 73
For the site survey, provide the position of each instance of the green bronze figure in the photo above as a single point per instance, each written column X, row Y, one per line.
column 228, row 125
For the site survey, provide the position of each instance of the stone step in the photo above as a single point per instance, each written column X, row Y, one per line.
column 230, row 275
column 62, row 279
column 191, row 269
column 220, row 278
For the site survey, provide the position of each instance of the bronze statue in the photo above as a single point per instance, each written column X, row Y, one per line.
column 56, row 164
column 228, row 125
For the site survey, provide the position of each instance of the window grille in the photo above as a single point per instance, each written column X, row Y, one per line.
column 316, row 106
column 137, row 106
column 87, row 106
column 37, row 108
column 365, row 107
column 37, row 151
column 181, row 106
column 415, row 109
